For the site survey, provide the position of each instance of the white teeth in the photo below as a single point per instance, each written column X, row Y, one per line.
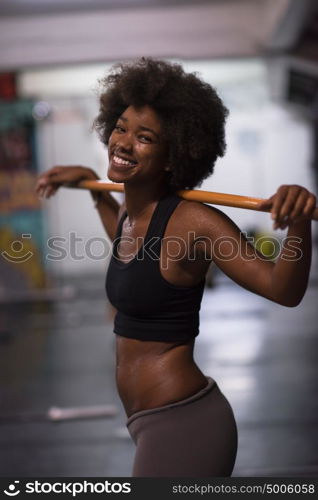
column 120, row 161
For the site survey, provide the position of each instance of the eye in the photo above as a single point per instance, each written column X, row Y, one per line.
column 119, row 128
column 145, row 138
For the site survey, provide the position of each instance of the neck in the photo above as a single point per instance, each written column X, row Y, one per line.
column 139, row 199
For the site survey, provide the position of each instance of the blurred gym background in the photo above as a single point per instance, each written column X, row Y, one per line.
column 60, row 414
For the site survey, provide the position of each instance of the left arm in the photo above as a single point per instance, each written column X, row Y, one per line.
column 284, row 281
column 292, row 206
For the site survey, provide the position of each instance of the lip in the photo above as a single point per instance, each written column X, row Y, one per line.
column 121, row 166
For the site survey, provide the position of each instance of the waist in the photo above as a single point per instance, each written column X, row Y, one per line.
column 152, row 374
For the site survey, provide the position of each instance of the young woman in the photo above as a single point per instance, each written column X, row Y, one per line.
column 164, row 130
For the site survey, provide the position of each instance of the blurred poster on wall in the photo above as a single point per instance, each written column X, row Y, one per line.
column 21, row 231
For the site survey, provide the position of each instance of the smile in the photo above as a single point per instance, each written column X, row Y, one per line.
column 120, row 161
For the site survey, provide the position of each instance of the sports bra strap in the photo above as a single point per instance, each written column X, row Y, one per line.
column 159, row 219
column 161, row 216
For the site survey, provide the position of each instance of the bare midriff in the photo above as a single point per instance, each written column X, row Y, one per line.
column 151, row 374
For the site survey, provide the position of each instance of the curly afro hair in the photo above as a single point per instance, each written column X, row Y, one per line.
column 192, row 114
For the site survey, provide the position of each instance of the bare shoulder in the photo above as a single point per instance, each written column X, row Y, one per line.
column 201, row 218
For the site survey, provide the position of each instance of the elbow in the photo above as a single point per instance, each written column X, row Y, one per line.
column 291, row 297
column 290, row 301
column 294, row 303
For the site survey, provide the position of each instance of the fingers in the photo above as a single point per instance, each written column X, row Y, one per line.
column 41, row 187
column 50, row 191
column 289, row 200
column 298, row 209
column 266, row 204
column 290, row 205
column 279, row 200
column 49, row 182
column 310, row 205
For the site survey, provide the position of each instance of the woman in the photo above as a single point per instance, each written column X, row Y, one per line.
column 164, row 130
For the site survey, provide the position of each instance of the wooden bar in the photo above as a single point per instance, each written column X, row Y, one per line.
column 213, row 198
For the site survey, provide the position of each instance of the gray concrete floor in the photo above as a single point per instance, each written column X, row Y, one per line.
column 263, row 356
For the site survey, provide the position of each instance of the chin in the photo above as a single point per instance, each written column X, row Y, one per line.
column 115, row 177
column 119, row 177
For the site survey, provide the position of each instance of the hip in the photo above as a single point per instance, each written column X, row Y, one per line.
column 193, row 437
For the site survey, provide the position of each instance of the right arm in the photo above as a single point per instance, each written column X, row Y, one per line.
column 106, row 205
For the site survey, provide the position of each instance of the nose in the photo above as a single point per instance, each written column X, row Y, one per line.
column 124, row 142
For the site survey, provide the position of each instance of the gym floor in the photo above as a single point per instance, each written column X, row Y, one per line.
column 62, row 354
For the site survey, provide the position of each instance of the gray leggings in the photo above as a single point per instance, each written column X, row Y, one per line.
column 194, row 437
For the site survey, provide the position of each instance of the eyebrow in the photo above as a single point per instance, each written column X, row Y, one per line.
column 142, row 127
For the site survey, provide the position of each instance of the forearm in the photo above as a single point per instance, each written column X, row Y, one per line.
column 49, row 182
column 108, row 209
column 291, row 271
column 106, row 205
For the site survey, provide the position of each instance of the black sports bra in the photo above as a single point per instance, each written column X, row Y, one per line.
column 148, row 306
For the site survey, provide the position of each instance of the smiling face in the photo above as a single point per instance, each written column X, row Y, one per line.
column 136, row 149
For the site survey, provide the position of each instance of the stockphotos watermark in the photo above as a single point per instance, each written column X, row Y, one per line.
column 73, row 488
column 226, row 248
column 163, row 488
